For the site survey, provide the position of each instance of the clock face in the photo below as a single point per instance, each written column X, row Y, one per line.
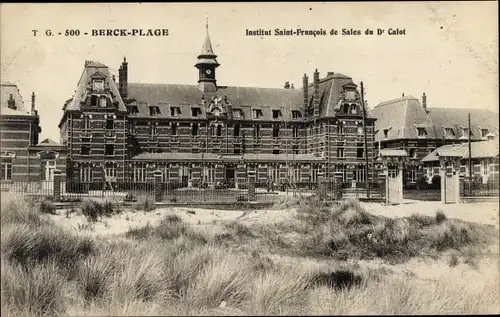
column 208, row 71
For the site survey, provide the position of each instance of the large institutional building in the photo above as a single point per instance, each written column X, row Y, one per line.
column 208, row 133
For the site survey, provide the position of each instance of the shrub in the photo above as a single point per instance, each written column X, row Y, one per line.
column 47, row 207
column 436, row 182
column 440, row 216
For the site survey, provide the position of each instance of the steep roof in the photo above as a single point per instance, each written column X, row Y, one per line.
column 187, row 96
column 48, row 142
column 6, row 90
column 457, row 119
column 91, row 69
column 480, row 149
column 401, row 117
column 330, row 91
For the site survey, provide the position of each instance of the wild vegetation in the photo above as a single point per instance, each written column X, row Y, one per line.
column 292, row 268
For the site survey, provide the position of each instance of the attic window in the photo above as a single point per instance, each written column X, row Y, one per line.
column 195, row 111
column 11, row 103
column 257, row 113
column 98, row 84
column 154, row 110
column 175, row 111
column 349, row 95
column 465, row 132
column 484, row 132
column 449, row 133
column 237, row 113
column 133, row 109
column 276, row 114
column 386, row 133
column 354, row 109
column 93, row 101
column 421, row 132
column 296, row 114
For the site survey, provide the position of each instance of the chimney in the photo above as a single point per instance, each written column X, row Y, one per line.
column 424, row 101
column 33, row 103
column 292, row 87
column 11, row 103
column 402, row 95
column 125, row 78
column 329, row 74
column 305, row 92
column 120, row 80
column 316, row 93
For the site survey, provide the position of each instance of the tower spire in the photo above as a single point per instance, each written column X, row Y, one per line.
column 207, row 63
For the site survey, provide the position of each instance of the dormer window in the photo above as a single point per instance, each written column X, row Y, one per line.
column 175, row 111
column 465, row 132
column 103, row 102
column 11, row 103
column 449, row 133
column 386, row 133
column 276, row 114
column 360, row 129
column 296, row 114
column 421, row 132
column 98, row 84
column 133, row 109
column 195, row 111
column 257, row 113
column 353, row 109
column 154, row 110
column 484, row 133
column 237, row 113
column 94, row 100
column 350, row 95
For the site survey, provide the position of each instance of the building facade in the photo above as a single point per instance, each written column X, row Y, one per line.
column 407, row 124
column 206, row 133
column 23, row 158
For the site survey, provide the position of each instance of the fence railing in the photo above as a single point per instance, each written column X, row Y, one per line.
column 479, row 189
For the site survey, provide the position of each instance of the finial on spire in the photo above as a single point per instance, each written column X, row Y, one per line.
column 206, row 23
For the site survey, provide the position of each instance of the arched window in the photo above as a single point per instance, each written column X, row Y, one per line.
column 219, row 130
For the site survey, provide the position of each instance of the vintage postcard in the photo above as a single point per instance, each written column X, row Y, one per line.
column 249, row 158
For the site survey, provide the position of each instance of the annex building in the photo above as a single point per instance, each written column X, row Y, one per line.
column 207, row 132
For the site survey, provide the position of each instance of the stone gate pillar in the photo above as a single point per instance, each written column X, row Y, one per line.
column 57, row 185
column 251, row 185
column 158, row 186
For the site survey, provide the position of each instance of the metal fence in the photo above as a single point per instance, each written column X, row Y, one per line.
column 479, row 189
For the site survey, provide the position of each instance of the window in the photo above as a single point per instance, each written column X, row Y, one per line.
column 103, row 102
column 236, row 131
column 195, row 111
column 413, row 153
column 484, row 132
column 86, row 174
column 296, row 114
column 98, row 84
column 109, row 171
column 93, row 101
column 154, row 110
column 340, row 152
column 110, row 123
column 85, row 149
column 236, row 149
column 6, row 169
column 276, row 114
column 175, row 111
column 256, row 132
column 276, row 132
column 449, row 133
column 421, row 132
column 131, row 128
column 295, row 132
column 340, row 128
column 274, row 173
column 295, row 149
column 314, row 174
column 354, row 109
column 350, row 95
column 294, row 174
column 219, row 130
column 110, row 149
column 212, row 130
column 257, row 113
column 194, row 130
column 153, row 128
column 209, row 174
column 86, row 139
column 360, row 129
column 86, row 122
column 132, row 109
column 360, row 150
column 139, row 174
column 174, row 128
column 412, row 175
column 436, row 171
column 359, row 174
column 276, row 151
column 165, row 175
column 11, row 103
column 237, row 113
column 386, row 133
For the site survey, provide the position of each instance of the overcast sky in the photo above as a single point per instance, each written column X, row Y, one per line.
column 450, row 50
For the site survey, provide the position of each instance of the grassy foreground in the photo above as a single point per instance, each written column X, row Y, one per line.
column 178, row 269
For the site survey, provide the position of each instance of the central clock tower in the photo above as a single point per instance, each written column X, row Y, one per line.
column 207, row 63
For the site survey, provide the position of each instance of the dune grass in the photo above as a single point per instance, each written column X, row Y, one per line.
column 173, row 268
